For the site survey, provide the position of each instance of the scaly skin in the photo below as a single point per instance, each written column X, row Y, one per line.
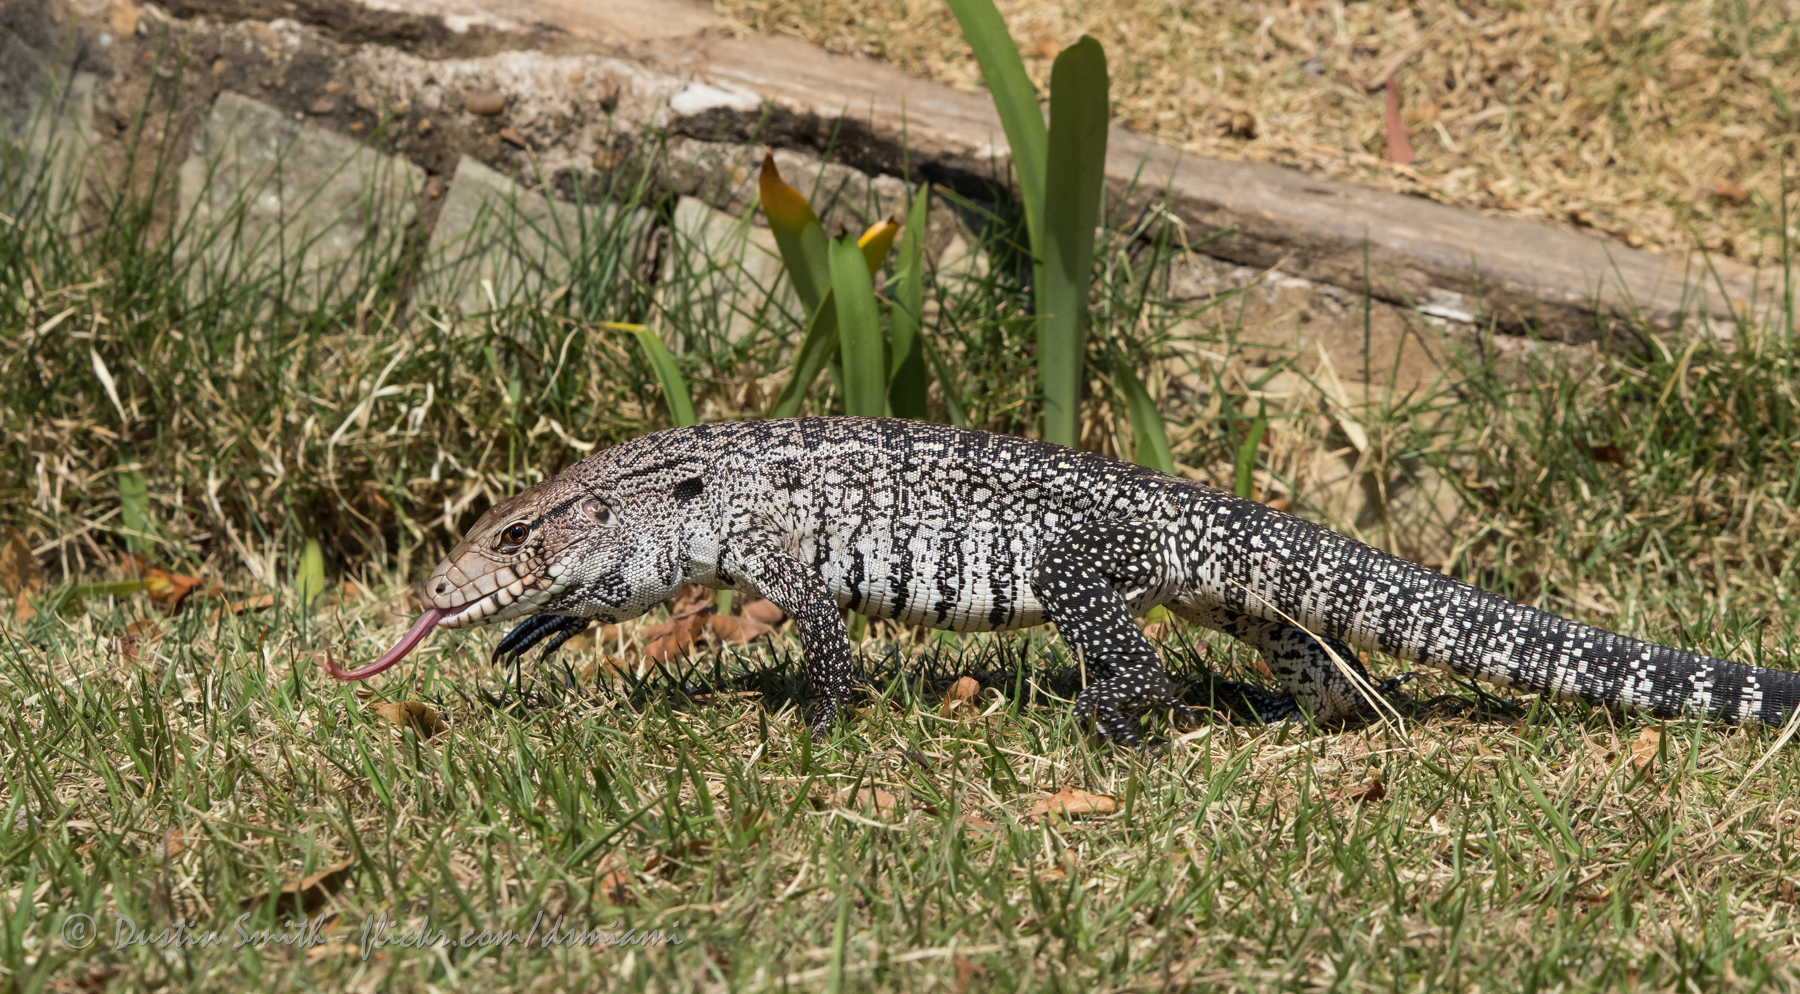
column 969, row 531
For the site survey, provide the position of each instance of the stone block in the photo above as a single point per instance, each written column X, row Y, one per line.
column 46, row 131
column 725, row 273
column 496, row 243
column 267, row 197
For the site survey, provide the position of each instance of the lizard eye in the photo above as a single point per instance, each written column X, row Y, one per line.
column 516, row 533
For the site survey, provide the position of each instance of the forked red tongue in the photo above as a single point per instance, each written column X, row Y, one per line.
column 407, row 643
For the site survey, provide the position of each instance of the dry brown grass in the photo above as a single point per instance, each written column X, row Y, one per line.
column 1660, row 124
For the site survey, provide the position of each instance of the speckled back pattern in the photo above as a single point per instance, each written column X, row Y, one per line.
column 970, row 531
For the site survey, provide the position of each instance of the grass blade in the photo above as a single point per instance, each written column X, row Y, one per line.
column 859, row 331
column 309, row 580
column 1246, row 457
column 675, row 391
column 956, row 407
column 1075, row 173
column 134, row 510
column 1150, row 438
column 798, row 235
column 1015, row 99
column 907, row 379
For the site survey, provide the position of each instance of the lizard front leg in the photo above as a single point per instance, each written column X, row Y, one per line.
column 555, row 627
column 798, row 589
column 1083, row 581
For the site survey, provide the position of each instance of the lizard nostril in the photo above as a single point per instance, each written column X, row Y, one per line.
column 442, row 587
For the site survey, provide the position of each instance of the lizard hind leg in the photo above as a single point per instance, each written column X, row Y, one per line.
column 1301, row 661
column 1083, row 581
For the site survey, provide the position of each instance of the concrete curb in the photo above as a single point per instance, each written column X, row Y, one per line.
column 1410, row 252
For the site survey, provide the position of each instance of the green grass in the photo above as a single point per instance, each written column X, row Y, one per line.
column 1512, row 844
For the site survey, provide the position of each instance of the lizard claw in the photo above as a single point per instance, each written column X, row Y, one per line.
column 1107, row 721
column 825, row 717
column 555, row 627
column 1387, row 687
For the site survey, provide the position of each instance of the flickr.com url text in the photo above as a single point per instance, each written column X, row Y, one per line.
column 379, row 931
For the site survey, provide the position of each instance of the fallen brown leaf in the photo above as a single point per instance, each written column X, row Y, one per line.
column 875, row 797
column 416, row 715
column 736, row 630
column 333, row 948
column 611, row 667
column 309, row 894
column 176, row 841
column 239, row 607
column 967, row 973
column 765, row 612
column 667, row 646
column 666, row 860
column 1071, row 802
column 663, row 629
column 145, row 628
column 976, row 823
column 690, row 599
column 1399, row 137
column 19, row 573
column 616, row 887
column 513, row 138
column 960, row 693
column 1645, row 748
column 168, row 590
column 1373, row 790
column 1727, row 190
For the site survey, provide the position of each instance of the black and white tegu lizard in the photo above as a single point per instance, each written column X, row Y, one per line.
column 969, row 531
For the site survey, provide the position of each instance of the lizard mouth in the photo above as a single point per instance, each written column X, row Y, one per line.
column 501, row 605
column 407, row 643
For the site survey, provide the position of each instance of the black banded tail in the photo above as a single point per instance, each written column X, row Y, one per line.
column 1372, row 599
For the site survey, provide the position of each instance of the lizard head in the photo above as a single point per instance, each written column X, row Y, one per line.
column 553, row 548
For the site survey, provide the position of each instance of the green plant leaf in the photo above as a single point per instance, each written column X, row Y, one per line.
column 875, row 243
column 907, row 379
column 821, row 340
column 816, row 349
column 1075, row 173
column 309, row 579
column 859, row 331
column 1246, row 457
column 134, row 510
column 1015, row 99
column 113, row 588
column 675, row 391
column 1150, row 438
column 798, row 235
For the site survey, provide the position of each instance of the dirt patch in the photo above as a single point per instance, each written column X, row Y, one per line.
column 1658, row 124
column 350, row 23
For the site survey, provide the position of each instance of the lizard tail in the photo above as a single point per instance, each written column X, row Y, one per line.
column 1372, row 599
